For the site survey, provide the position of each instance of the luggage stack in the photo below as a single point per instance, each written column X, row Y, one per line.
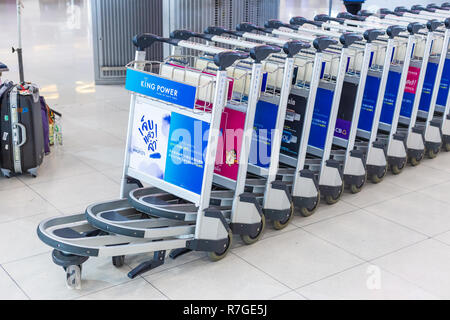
column 262, row 123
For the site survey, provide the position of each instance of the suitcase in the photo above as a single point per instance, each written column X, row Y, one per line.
column 21, row 131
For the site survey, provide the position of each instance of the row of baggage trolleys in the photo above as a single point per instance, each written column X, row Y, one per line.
column 262, row 122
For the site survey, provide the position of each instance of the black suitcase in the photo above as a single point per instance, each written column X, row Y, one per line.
column 21, row 132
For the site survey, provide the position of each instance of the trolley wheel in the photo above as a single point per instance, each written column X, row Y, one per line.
column 332, row 200
column 447, row 147
column 378, row 178
column 118, row 261
column 281, row 224
column 251, row 239
column 396, row 169
column 306, row 212
column 357, row 188
column 73, row 277
column 216, row 256
column 431, row 153
column 415, row 161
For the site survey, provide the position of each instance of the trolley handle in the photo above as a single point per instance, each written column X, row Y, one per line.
column 225, row 59
column 394, row 31
column 218, row 31
column 300, row 21
column 365, row 13
column 349, row 16
column 187, row 34
column 435, row 6
column 433, row 24
column 402, row 9
column 292, row 48
column 249, row 27
column 447, row 23
column 446, row 5
column 386, row 11
column 276, row 24
column 327, row 18
column 419, row 7
column 261, row 52
column 373, row 34
column 415, row 27
column 143, row 41
column 348, row 38
column 323, row 42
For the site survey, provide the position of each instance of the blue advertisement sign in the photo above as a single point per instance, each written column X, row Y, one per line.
column 168, row 146
column 369, row 103
column 261, row 146
column 428, row 87
column 443, row 88
column 321, row 118
column 407, row 104
column 163, row 89
column 185, row 157
column 390, row 97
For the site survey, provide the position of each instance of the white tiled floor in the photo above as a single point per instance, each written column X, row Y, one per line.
column 390, row 241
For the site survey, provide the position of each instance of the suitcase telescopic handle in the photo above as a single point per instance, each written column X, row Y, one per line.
column 24, row 134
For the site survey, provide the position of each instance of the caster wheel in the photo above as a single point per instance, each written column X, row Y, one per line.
column 447, row 147
column 306, row 212
column 333, row 200
column 281, row 224
column 118, row 261
column 415, row 161
column 357, row 188
column 396, row 169
column 378, row 178
column 73, row 277
column 251, row 239
column 432, row 153
column 216, row 256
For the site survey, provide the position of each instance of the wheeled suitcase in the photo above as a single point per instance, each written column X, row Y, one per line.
column 21, row 132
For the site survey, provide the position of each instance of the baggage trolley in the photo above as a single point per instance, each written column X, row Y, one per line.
column 314, row 149
column 427, row 45
column 353, row 104
column 308, row 68
column 439, row 97
column 163, row 113
column 269, row 122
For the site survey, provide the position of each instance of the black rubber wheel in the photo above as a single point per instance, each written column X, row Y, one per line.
column 73, row 276
column 332, row 200
column 306, row 212
column 251, row 239
column 396, row 169
column 431, row 154
column 447, row 147
column 281, row 224
column 118, row 261
column 216, row 256
column 415, row 161
column 357, row 188
column 378, row 178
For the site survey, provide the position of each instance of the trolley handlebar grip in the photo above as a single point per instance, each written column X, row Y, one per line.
column 394, row 31
column 415, row 27
column 249, row 27
column 291, row 48
column 348, row 38
column 326, row 18
column 365, row 13
column 419, row 7
column 322, row 43
column 261, row 52
column 447, row 23
column 143, row 41
column 300, row 21
column 402, row 9
column 349, row 16
column 218, row 31
column 276, row 24
column 385, row 11
column 433, row 24
column 373, row 34
column 435, row 6
column 225, row 59
column 187, row 34
column 445, row 5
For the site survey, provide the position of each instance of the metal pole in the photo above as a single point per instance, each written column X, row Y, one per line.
column 19, row 48
column 330, row 6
